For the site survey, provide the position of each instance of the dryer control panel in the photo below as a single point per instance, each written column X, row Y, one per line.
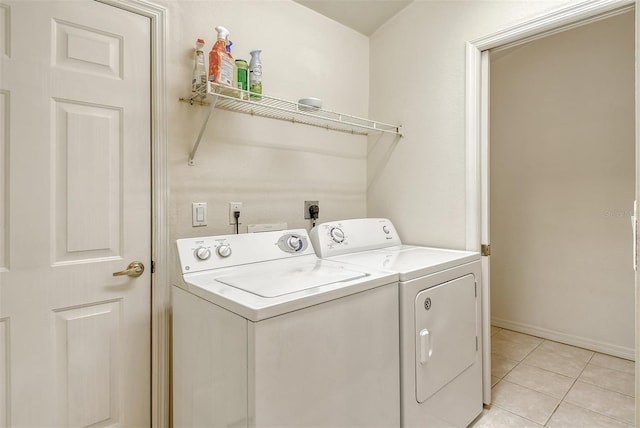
column 214, row 252
column 349, row 236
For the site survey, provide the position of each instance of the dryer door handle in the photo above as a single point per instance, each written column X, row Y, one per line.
column 425, row 346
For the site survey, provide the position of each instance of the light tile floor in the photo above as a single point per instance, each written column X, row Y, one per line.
column 540, row 383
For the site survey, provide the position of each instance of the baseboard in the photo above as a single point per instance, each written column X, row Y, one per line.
column 556, row 336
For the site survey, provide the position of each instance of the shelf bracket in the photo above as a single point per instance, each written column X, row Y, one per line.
column 212, row 107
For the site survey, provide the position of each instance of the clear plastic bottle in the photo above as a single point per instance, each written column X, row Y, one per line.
column 199, row 71
column 255, row 75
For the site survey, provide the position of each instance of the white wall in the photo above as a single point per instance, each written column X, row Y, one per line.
column 271, row 166
column 562, row 185
column 417, row 73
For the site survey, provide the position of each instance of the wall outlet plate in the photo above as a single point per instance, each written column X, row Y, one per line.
column 307, row 204
column 234, row 206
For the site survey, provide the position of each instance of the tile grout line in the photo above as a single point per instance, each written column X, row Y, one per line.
column 514, row 367
column 569, row 389
column 607, row 367
column 516, row 414
column 597, row 386
column 561, row 400
column 523, row 358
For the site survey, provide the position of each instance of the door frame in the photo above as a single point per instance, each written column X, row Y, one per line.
column 160, row 387
column 477, row 124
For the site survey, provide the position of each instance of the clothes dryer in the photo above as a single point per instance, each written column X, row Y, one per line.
column 440, row 317
column 267, row 334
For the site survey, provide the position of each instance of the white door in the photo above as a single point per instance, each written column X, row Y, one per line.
column 74, row 208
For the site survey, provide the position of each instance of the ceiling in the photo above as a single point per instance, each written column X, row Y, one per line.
column 365, row 16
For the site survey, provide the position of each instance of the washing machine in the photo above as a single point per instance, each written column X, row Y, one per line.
column 266, row 334
column 440, row 317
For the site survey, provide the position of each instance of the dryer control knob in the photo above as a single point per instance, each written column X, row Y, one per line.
column 202, row 253
column 295, row 243
column 223, row 250
column 337, row 235
column 385, row 229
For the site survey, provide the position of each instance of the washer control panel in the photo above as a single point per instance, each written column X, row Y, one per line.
column 293, row 243
column 350, row 236
column 214, row 252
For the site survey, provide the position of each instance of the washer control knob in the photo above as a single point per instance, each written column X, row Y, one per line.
column 223, row 250
column 385, row 229
column 295, row 243
column 337, row 234
column 202, row 253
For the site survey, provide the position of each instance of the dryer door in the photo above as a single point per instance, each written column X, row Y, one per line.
column 445, row 335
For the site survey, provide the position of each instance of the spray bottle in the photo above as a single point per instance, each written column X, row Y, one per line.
column 199, row 72
column 255, row 75
column 220, row 61
column 235, row 70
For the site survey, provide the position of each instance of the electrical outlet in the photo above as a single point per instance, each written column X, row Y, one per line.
column 233, row 207
column 307, row 204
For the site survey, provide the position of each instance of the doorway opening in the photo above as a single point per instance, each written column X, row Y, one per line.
column 478, row 132
column 561, row 188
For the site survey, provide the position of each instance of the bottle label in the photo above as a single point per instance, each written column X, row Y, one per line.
column 226, row 71
column 242, row 79
column 256, row 74
column 220, row 68
column 255, row 81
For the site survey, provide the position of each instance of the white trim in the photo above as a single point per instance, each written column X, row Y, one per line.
column 570, row 339
column 635, row 214
column 472, row 153
column 161, row 285
column 554, row 21
column 484, row 226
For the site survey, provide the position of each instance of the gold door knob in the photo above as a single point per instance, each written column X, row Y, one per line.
column 135, row 269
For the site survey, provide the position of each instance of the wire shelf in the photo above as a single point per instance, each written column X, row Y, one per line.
column 230, row 99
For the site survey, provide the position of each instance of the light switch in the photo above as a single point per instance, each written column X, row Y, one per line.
column 199, row 214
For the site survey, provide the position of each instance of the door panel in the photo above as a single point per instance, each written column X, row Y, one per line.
column 87, row 50
column 87, row 178
column 4, row 373
column 4, row 175
column 445, row 334
column 87, row 349
column 4, row 30
column 76, row 207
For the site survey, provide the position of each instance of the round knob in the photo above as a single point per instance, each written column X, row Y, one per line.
column 385, row 229
column 295, row 243
column 223, row 250
column 203, row 253
column 337, row 234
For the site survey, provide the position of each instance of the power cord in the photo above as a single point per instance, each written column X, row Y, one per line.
column 314, row 210
column 236, row 214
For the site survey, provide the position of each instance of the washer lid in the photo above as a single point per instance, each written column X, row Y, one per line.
column 274, row 281
column 295, row 283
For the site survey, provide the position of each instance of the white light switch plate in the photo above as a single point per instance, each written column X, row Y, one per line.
column 199, row 214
